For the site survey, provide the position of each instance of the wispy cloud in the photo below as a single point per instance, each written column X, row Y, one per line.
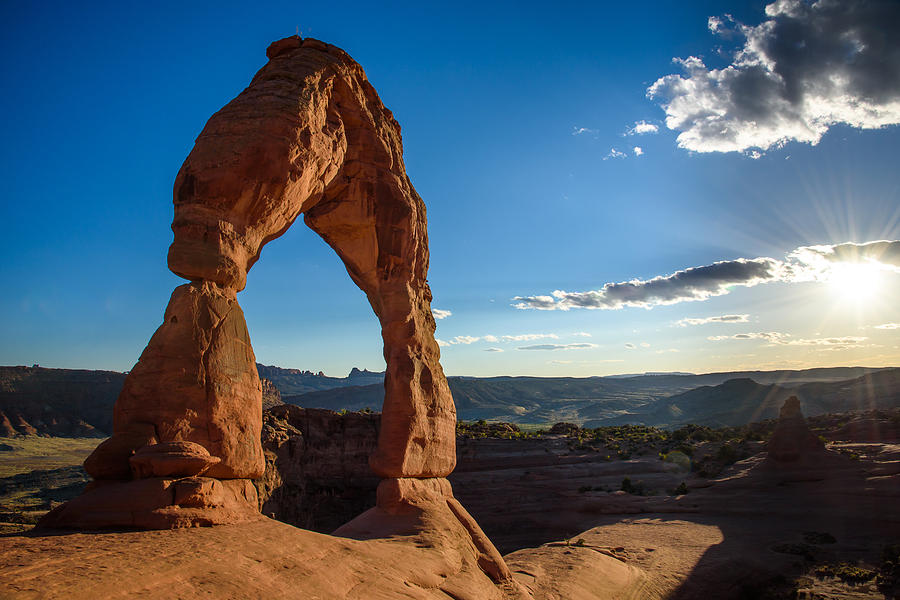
column 806, row 263
column 465, row 340
column 580, row 346
column 888, row 326
column 641, row 128
column 630, row 346
column 769, row 336
column 527, row 337
column 582, row 130
column 440, row 314
column 808, row 66
column 493, row 349
column 716, row 319
column 775, row 338
column 613, row 153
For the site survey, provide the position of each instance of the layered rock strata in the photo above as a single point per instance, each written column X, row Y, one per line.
column 308, row 136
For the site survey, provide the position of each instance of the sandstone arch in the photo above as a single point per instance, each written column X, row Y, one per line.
column 308, row 136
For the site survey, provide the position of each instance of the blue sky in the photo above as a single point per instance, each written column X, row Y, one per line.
column 515, row 122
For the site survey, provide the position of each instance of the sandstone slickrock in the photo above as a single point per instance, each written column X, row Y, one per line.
column 792, row 440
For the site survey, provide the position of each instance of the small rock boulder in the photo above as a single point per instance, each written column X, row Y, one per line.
column 171, row 459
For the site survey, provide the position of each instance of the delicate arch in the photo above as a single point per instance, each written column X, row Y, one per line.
column 308, row 136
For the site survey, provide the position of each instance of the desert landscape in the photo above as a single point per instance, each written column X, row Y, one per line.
column 549, row 404
column 608, row 512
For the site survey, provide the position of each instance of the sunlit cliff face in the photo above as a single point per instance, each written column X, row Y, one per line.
column 253, row 170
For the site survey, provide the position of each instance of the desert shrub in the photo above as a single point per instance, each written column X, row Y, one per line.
column 846, row 572
column 564, row 428
column 696, row 433
column 635, row 489
column 818, row 537
column 727, row 454
column 686, row 449
column 888, row 580
column 681, row 490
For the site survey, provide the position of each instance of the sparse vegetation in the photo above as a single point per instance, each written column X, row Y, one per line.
column 846, row 572
column 635, row 489
column 681, row 490
column 888, row 579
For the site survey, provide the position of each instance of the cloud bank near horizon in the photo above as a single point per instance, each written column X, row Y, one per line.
column 806, row 263
column 777, row 338
column 805, row 68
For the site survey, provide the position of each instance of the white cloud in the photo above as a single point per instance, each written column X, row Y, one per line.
column 769, row 336
column 581, row 334
column 641, row 128
column 580, row 346
column 638, row 151
column 471, row 339
column 630, row 346
column 806, row 263
column 809, row 66
column 775, row 338
column 527, row 337
column 888, row 326
column 440, row 314
column 716, row 319
column 581, row 130
column 442, row 343
column 714, row 24
column 645, row 345
column 613, row 153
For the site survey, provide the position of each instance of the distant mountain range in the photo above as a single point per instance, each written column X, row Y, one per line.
column 661, row 400
column 743, row 400
column 294, row 381
column 79, row 403
column 76, row 403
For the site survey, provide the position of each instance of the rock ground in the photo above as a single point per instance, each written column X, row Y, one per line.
column 743, row 534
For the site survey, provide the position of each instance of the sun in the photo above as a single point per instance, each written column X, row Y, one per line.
column 856, row 282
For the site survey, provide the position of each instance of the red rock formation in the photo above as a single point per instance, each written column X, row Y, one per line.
column 308, row 136
column 792, row 440
column 311, row 136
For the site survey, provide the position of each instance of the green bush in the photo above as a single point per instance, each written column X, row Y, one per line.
column 635, row 489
